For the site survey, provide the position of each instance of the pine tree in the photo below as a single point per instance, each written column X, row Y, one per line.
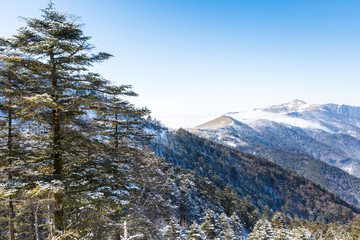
column 337, row 230
column 223, row 221
column 188, row 210
column 60, row 44
column 279, row 226
column 301, row 234
column 262, row 230
column 72, row 160
column 210, row 227
column 228, row 234
column 236, row 226
column 229, row 200
column 194, row 233
column 248, row 213
column 172, row 231
column 226, row 231
column 266, row 212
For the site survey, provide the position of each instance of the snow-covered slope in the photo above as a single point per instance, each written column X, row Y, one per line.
column 327, row 132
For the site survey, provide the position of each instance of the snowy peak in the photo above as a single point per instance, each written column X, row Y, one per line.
column 293, row 106
column 219, row 122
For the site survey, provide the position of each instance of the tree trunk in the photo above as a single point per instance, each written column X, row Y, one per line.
column 50, row 220
column 11, row 220
column 10, row 155
column 56, row 151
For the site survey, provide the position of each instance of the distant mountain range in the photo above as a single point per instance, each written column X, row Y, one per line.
column 297, row 136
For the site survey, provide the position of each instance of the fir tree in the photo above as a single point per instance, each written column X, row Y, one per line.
column 223, row 221
column 262, row 230
column 229, row 199
column 266, row 212
column 72, row 150
column 194, row 232
column 172, row 231
column 226, row 231
column 61, row 45
column 301, row 234
column 236, row 226
column 228, row 234
column 188, row 210
column 210, row 227
column 279, row 226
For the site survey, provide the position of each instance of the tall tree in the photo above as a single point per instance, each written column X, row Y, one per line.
column 210, row 227
column 60, row 57
column 172, row 231
column 279, row 226
column 236, row 225
column 194, row 232
column 262, row 230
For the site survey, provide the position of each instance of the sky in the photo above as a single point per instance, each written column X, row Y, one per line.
column 193, row 60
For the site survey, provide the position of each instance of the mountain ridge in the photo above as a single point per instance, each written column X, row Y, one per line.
column 330, row 136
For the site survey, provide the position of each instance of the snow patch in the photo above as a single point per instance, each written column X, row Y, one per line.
column 231, row 144
column 352, row 133
column 349, row 169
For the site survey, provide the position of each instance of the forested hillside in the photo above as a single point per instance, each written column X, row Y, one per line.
column 244, row 138
column 266, row 183
column 79, row 161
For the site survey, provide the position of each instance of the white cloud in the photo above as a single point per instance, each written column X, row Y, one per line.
column 254, row 115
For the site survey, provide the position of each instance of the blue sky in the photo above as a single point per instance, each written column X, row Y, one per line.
column 193, row 60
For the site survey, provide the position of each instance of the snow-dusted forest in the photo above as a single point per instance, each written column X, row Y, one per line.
column 79, row 161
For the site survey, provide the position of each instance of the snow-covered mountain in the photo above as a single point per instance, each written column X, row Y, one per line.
column 327, row 132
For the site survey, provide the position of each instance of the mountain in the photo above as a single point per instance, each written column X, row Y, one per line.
column 328, row 132
column 259, row 181
column 315, row 141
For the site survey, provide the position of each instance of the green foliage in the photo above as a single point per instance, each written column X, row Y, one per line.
column 66, row 166
column 172, row 231
column 278, row 221
column 210, row 227
column 194, row 232
column 262, row 230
